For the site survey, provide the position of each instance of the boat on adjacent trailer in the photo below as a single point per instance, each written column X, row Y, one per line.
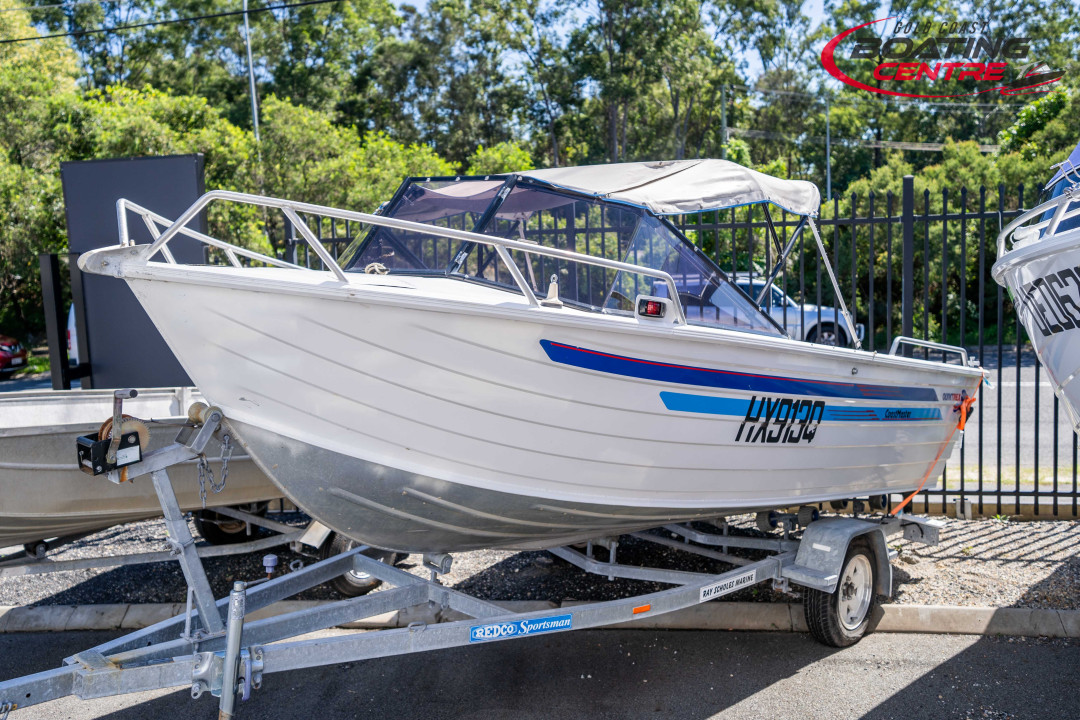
column 45, row 499
column 536, row 359
column 1039, row 263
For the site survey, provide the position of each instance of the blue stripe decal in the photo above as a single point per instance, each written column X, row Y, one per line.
column 739, row 407
column 726, row 379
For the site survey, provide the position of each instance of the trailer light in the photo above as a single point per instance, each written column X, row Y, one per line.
column 642, row 609
column 651, row 308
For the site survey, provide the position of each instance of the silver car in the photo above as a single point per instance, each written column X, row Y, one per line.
column 823, row 325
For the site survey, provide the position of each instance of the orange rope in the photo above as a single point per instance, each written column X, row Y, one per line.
column 964, row 405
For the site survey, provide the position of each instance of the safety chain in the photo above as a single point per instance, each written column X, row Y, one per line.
column 206, row 474
column 226, row 454
column 5, row 709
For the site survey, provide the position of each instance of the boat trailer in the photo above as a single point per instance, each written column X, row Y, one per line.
column 32, row 560
column 212, row 648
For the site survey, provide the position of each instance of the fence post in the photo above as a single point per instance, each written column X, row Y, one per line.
column 55, row 320
column 907, row 220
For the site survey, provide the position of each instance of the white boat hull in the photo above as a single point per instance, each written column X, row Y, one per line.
column 1044, row 281
column 412, row 422
column 43, row 494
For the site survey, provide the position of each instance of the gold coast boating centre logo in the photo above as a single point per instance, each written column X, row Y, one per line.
column 912, row 57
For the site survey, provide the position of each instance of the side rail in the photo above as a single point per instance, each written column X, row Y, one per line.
column 1016, row 234
column 291, row 209
column 945, row 349
column 152, row 221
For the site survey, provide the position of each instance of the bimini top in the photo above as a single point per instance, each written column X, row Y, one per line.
column 677, row 187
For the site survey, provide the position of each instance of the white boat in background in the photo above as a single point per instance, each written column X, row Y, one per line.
column 44, row 495
column 535, row 359
column 1039, row 263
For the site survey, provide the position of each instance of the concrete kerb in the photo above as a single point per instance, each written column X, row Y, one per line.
column 774, row 617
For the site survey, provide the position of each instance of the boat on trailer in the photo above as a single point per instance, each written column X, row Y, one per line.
column 535, row 359
column 1039, row 263
column 524, row 361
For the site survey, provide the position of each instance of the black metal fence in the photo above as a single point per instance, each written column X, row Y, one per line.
column 918, row 265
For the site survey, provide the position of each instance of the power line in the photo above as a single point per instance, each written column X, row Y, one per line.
column 796, row 93
column 118, row 28
column 885, row 144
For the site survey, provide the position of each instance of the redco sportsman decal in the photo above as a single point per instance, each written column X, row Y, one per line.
column 775, row 420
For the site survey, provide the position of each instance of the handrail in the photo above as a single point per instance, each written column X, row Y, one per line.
column 903, row 340
column 290, row 208
column 1061, row 203
column 122, row 206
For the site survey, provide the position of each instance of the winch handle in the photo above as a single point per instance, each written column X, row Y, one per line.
column 118, row 420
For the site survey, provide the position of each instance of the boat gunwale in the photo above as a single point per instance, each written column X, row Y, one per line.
column 234, row 278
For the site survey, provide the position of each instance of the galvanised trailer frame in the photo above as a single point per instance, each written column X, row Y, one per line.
column 213, row 648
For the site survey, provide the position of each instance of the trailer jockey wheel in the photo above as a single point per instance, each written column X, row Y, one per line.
column 354, row 583
column 841, row 618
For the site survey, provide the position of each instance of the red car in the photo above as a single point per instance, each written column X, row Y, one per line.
column 12, row 355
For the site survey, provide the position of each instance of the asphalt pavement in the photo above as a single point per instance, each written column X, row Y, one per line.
column 629, row 674
column 33, row 382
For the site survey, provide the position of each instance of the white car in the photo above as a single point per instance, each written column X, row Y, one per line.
column 823, row 325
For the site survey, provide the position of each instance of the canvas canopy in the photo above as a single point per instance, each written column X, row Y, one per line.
column 677, row 187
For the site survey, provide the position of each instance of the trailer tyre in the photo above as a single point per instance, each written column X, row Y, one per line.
column 841, row 618
column 353, row 583
column 221, row 530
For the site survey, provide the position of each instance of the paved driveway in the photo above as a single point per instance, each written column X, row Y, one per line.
column 631, row 674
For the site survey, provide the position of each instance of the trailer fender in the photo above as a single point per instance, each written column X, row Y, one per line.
column 823, row 549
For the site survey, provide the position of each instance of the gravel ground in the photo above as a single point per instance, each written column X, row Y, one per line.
column 982, row 562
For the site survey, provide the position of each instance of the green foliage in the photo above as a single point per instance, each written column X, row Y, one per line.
column 502, row 158
column 1043, row 142
column 776, row 167
column 1030, row 120
column 737, row 151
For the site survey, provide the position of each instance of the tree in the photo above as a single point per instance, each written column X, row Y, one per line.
column 502, row 158
column 37, row 80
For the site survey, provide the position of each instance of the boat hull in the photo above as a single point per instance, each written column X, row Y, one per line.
column 419, row 424
column 43, row 494
column 1044, row 281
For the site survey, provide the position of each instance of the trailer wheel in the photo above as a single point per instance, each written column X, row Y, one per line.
column 841, row 618
column 353, row 583
column 221, row 530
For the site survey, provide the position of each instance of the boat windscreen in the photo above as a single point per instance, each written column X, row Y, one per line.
column 616, row 232
column 456, row 203
column 707, row 296
column 1055, row 191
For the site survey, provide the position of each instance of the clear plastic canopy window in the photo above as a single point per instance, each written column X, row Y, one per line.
column 553, row 218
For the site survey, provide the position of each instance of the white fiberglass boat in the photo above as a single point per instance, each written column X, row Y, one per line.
column 44, row 495
column 534, row 359
column 1039, row 263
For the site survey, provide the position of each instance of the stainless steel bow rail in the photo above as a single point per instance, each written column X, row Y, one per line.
column 291, row 210
column 214, row 648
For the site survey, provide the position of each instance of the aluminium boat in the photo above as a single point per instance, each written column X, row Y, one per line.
column 1039, row 263
column 534, row 359
column 44, row 495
